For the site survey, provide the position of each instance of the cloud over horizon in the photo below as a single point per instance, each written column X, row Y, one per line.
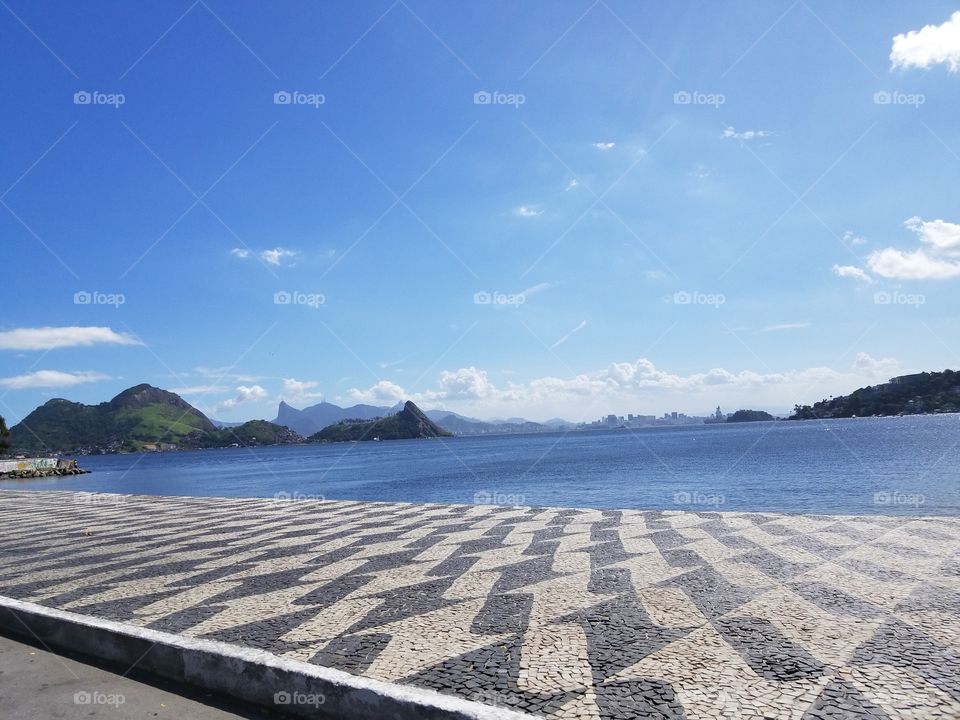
column 39, row 379
column 52, row 338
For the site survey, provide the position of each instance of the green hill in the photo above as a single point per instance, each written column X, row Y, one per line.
column 741, row 416
column 254, row 432
column 929, row 392
column 137, row 416
column 407, row 424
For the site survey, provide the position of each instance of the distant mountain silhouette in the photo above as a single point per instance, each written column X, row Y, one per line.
column 408, row 424
column 315, row 418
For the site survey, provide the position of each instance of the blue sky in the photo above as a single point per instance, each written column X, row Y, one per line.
column 647, row 207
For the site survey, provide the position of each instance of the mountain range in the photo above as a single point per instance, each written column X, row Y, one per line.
column 144, row 417
column 311, row 420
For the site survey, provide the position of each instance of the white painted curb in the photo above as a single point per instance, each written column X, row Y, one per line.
column 254, row 676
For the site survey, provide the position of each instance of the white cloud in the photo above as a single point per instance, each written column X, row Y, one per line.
column 939, row 237
column 604, row 146
column 51, row 338
column 851, row 271
column 578, row 328
column 526, row 211
column 199, row 389
column 731, row 134
column 942, row 237
column 245, row 395
column 300, row 391
column 572, row 185
column 51, row 379
column 874, row 368
column 915, row 265
column 539, row 287
column 226, row 374
column 785, row 326
column 275, row 256
column 929, row 46
column 383, row 393
column 851, row 238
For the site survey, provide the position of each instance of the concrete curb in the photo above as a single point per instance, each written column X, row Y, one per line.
column 295, row 688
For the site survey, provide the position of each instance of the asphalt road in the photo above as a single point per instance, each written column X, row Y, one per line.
column 38, row 685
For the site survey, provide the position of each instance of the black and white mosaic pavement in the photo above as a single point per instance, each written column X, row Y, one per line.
column 556, row 612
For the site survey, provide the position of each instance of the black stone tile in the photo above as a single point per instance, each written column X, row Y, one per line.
column 834, row 600
column 710, row 591
column 902, row 645
column 501, row 614
column 841, row 701
column 620, row 633
column 352, row 653
column 767, row 651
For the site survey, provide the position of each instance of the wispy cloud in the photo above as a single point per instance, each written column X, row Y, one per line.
column 604, row 146
column 851, row 238
column 51, row 338
column 578, row 328
column 731, row 133
column 527, row 211
column 274, row 256
column 931, row 45
column 200, row 389
column 226, row 374
column 51, row 379
column 784, row 326
column 851, row 271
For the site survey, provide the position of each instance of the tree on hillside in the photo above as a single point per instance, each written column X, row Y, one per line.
column 3, row 435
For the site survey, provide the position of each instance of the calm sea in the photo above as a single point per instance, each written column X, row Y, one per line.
column 887, row 465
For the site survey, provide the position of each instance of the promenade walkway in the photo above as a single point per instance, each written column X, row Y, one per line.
column 560, row 613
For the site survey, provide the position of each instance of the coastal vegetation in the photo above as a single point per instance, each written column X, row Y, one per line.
column 253, row 432
column 409, row 423
column 928, row 392
column 741, row 416
column 4, row 434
